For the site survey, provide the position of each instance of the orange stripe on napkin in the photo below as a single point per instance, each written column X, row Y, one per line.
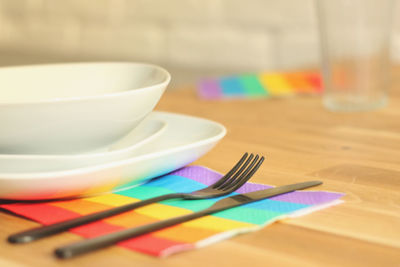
column 130, row 219
column 81, row 206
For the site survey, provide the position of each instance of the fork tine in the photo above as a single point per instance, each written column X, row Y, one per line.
column 237, row 174
column 243, row 172
column 231, row 172
column 242, row 180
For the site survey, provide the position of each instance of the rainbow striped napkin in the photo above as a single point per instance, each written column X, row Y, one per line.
column 188, row 235
column 269, row 84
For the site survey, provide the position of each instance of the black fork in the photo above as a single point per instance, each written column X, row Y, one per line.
column 234, row 179
column 231, row 181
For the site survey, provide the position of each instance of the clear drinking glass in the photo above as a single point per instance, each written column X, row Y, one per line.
column 355, row 41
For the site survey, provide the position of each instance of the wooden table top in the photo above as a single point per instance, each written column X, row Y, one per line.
column 354, row 153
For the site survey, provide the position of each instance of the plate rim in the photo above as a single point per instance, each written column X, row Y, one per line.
column 90, row 154
column 123, row 162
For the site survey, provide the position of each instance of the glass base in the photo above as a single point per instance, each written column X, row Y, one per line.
column 349, row 105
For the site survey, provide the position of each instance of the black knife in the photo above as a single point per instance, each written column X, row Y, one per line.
column 223, row 204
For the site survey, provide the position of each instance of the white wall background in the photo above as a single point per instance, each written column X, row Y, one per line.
column 191, row 37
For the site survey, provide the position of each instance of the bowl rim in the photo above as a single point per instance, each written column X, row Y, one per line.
column 162, row 70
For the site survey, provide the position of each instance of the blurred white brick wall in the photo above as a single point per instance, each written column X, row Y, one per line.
column 213, row 35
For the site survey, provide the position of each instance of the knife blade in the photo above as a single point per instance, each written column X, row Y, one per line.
column 223, row 204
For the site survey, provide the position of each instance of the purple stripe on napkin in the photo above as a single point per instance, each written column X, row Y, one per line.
column 207, row 177
column 210, row 89
column 198, row 174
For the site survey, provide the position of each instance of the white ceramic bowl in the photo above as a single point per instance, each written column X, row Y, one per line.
column 75, row 107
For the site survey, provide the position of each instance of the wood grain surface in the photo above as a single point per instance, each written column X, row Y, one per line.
column 354, row 153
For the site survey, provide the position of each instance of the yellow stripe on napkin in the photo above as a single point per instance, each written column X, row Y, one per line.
column 275, row 84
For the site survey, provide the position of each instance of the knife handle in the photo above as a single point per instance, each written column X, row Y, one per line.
column 48, row 230
column 110, row 239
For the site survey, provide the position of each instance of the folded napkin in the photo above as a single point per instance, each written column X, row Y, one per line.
column 261, row 85
column 189, row 235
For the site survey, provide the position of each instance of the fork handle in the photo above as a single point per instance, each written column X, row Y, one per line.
column 48, row 230
column 110, row 239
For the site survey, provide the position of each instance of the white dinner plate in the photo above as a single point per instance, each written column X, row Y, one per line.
column 147, row 131
column 185, row 139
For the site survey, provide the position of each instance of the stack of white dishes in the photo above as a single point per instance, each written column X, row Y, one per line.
column 80, row 129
